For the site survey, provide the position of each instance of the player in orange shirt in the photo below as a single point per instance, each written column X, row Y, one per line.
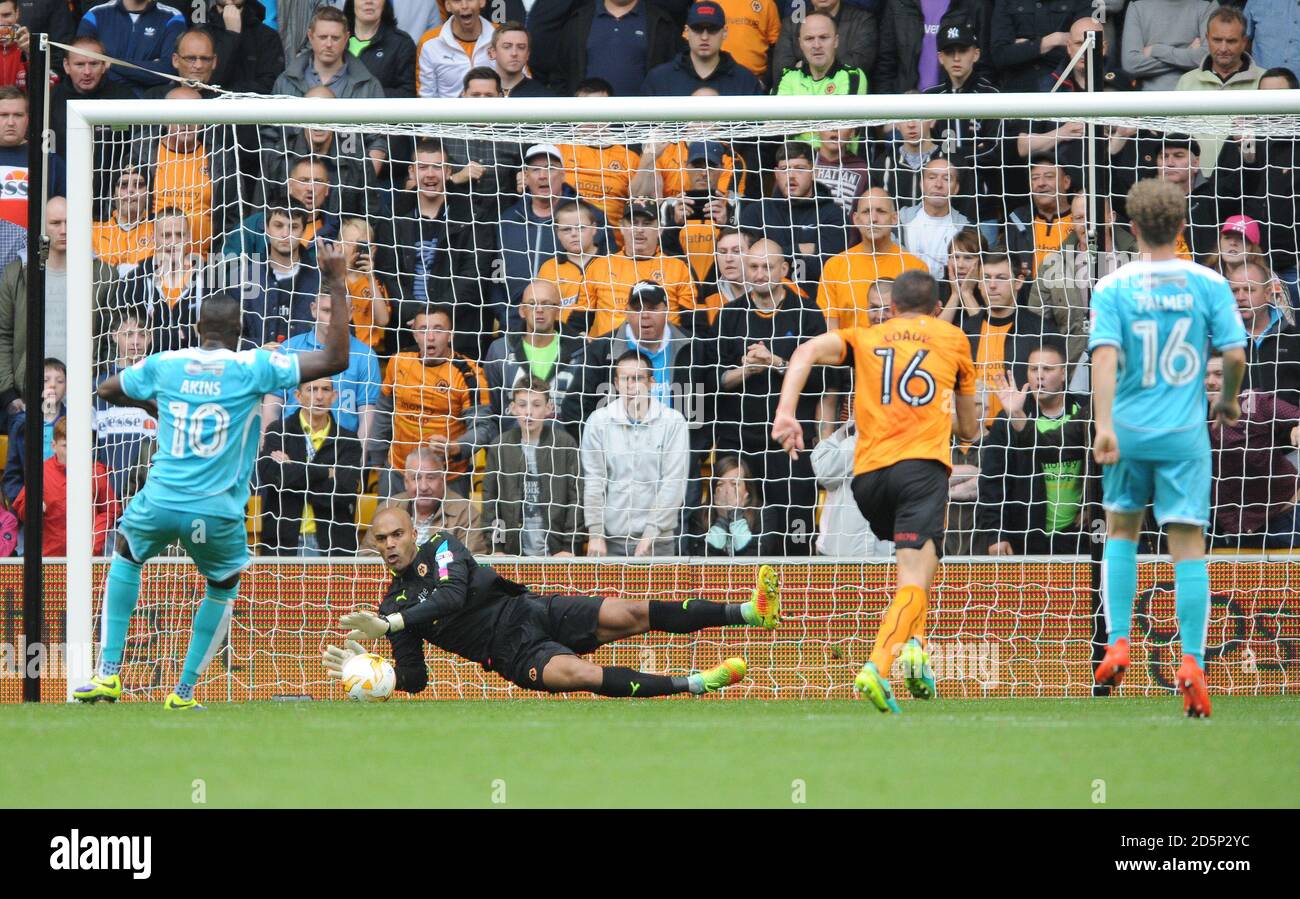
column 911, row 372
column 609, row 279
column 435, row 395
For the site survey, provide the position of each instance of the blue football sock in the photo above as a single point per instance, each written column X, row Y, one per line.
column 210, row 625
column 120, row 598
column 1119, row 586
column 1192, row 600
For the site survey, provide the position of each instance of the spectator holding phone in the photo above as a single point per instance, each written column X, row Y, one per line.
column 371, row 311
column 693, row 219
column 14, row 43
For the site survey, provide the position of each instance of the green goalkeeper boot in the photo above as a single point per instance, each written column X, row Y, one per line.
column 100, row 689
column 918, row 676
column 870, row 684
column 731, row 671
column 767, row 598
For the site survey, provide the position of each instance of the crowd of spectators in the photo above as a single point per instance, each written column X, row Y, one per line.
column 575, row 348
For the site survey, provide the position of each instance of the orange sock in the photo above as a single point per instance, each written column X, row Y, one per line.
column 905, row 615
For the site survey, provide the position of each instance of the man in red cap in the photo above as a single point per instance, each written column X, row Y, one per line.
column 1239, row 236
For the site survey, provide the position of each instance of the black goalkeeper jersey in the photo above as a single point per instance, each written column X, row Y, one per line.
column 448, row 599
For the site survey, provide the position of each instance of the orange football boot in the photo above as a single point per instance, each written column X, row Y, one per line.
column 1196, row 695
column 1111, row 670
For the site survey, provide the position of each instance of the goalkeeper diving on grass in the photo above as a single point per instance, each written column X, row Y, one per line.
column 207, row 400
column 441, row 595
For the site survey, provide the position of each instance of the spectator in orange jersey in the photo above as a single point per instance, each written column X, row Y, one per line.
column 370, row 308
column 600, row 173
column 609, row 279
column 1004, row 332
column 194, row 169
column 694, row 217
column 847, row 277
column 526, row 235
column 126, row 239
column 753, row 28
column 663, row 167
column 1040, row 226
column 577, row 227
column 434, row 395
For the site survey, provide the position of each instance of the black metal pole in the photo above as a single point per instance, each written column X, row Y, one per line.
column 38, row 83
column 1096, row 73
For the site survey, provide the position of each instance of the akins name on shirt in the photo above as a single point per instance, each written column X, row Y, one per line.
column 201, row 388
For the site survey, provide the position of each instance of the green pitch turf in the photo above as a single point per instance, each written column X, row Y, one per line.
column 678, row 753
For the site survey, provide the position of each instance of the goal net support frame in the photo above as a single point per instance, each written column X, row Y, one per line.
column 84, row 116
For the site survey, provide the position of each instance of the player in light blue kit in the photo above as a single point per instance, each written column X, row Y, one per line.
column 1153, row 322
column 207, row 402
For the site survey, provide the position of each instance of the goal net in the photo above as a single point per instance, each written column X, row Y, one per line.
column 505, row 258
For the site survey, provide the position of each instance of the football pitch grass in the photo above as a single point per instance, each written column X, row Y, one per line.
column 542, row 753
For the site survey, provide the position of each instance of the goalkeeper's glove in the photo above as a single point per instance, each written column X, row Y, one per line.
column 369, row 626
column 335, row 658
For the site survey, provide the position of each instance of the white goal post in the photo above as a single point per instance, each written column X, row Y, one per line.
column 84, row 116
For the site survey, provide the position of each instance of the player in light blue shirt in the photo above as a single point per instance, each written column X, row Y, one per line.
column 1153, row 323
column 207, row 402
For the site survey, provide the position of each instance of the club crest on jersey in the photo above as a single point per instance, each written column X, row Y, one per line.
column 422, row 569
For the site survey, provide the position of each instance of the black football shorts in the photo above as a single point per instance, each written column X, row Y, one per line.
column 906, row 502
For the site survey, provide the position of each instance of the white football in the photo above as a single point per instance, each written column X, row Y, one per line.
column 368, row 678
